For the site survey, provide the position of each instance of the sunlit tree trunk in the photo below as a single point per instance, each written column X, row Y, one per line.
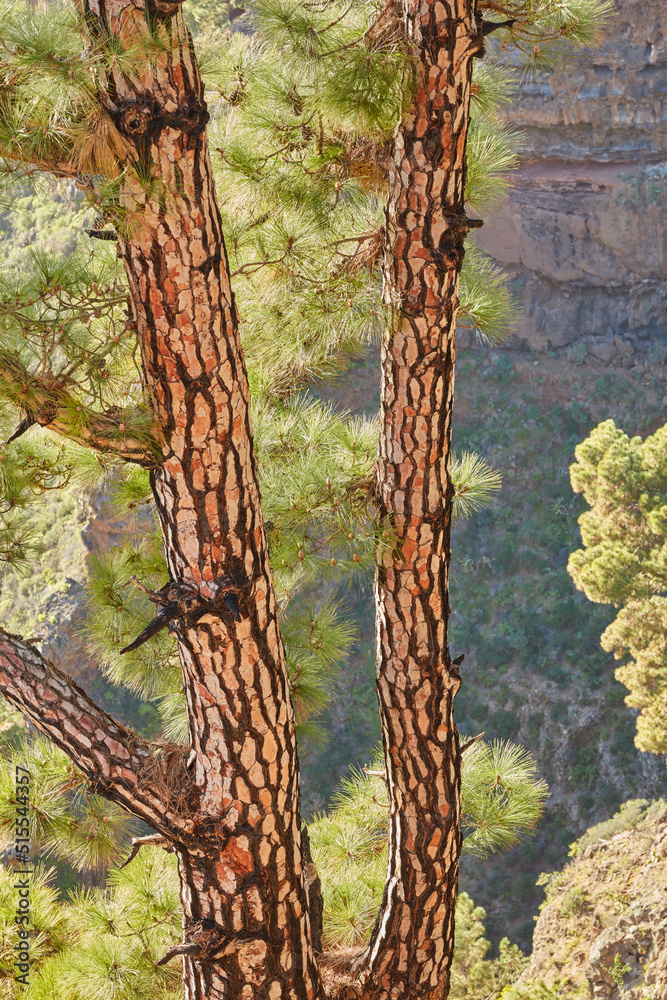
column 246, row 927
column 243, row 885
column 411, row 948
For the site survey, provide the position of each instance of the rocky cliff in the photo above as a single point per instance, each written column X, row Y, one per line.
column 583, row 232
column 611, row 900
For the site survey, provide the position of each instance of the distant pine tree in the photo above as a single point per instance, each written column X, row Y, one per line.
column 624, row 562
column 339, row 137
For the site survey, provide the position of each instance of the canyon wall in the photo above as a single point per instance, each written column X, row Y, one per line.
column 583, row 234
column 606, row 908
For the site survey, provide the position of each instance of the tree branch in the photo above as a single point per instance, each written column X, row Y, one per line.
column 469, row 743
column 121, row 766
column 66, row 169
column 153, row 840
column 47, row 402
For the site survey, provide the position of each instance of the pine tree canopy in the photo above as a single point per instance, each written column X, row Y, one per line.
column 303, row 110
column 624, row 562
column 298, row 153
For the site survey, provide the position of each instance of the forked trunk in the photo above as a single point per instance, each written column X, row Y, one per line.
column 411, row 948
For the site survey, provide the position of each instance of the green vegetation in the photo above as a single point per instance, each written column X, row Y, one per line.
column 106, row 941
column 624, row 562
column 618, row 971
column 42, row 211
column 473, row 975
column 630, row 815
column 574, row 902
column 501, row 799
column 533, row 670
column 530, row 642
column 114, row 935
column 531, row 990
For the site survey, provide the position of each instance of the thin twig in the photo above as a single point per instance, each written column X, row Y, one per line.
column 155, row 596
column 256, row 265
column 467, row 745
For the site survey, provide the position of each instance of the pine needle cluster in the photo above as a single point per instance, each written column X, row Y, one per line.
column 544, row 32
column 67, row 822
column 501, row 798
column 100, row 944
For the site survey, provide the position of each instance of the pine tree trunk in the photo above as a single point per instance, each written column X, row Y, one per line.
column 245, row 905
column 411, row 948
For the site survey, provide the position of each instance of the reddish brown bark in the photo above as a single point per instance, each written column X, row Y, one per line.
column 243, row 890
column 236, row 831
column 411, row 948
column 121, row 765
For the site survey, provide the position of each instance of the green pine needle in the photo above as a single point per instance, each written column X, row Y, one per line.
column 65, row 821
column 486, row 305
column 474, row 483
column 501, row 796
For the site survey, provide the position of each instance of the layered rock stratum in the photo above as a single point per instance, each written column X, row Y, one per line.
column 583, row 232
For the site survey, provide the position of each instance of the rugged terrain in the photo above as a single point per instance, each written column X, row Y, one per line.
column 582, row 238
column 609, row 901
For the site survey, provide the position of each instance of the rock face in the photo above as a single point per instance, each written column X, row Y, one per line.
column 611, row 900
column 583, row 232
column 54, row 613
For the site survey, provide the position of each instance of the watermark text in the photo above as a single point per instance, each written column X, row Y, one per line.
column 23, row 873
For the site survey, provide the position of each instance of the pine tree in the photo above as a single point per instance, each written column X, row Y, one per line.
column 157, row 401
column 109, row 941
column 623, row 561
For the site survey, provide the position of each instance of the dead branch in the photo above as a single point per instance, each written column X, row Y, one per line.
column 180, row 949
column 48, row 402
column 152, row 840
column 366, row 254
column 374, row 774
column 470, row 742
column 24, row 426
